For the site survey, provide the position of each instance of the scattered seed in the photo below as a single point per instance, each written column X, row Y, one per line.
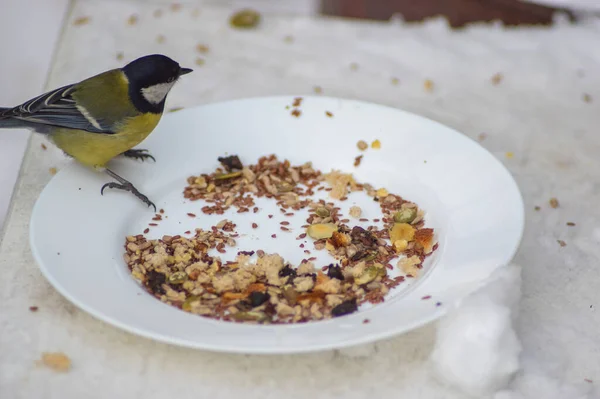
column 329, row 114
column 161, row 211
column 376, row 144
column 245, row 19
column 254, row 225
column 120, row 56
column 53, row 171
column 358, row 160
column 44, row 147
column 191, row 215
column 362, row 145
column 146, row 230
column 318, row 89
column 284, row 228
column 509, row 155
column 202, row 48
column 81, row 21
column 270, row 216
column 426, row 297
column 553, row 203
column 587, row 98
column 537, row 208
column 284, row 223
column 273, row 235
column 366, row 321
column 570, row 224
column 395, row 81
column 428, row 85
column 152, row 224
column 497, row 78
column 132, row 20
column 482, row 136
column 296, row 113
column 561, row 243
column 33, row 308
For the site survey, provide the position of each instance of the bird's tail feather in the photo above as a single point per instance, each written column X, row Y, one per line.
column 6, row 121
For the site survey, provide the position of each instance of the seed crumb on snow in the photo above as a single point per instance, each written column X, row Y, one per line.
column 57, row 361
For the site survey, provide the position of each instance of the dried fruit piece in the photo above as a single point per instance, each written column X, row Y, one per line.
column 231, row 162
column 402, row 231
column 245, row 19
column 406, row 215
column 345, row 308
column 424, row 237
column 340, row 239
column 258, row 298
column 321, row 230
column 335, row 271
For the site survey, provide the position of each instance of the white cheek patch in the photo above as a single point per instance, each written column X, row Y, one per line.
column 155, row 94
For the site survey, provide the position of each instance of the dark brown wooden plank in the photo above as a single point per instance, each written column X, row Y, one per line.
column 458, row 12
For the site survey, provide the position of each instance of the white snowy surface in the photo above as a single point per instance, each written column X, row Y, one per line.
column 536, row 112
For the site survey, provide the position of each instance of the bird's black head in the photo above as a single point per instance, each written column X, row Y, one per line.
column 150, row 80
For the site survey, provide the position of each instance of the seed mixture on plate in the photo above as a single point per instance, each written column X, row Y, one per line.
column 259, row 287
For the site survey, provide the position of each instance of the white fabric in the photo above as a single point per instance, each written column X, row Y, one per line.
column 536, row 112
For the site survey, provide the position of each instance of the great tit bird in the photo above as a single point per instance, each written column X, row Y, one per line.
column 104, row 116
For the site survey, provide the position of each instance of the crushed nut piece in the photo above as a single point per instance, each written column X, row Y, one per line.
column 56, row 361
column 428, row 85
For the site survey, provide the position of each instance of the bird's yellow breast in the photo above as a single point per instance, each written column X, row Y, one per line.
column 96, row 149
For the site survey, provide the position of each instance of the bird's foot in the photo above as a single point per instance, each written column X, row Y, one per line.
column 138, row 154
column 127, row 186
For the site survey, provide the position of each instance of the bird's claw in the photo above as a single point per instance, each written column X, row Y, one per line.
column 141, row 154
column 129, row 187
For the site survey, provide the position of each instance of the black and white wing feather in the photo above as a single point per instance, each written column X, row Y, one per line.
column 56, row 108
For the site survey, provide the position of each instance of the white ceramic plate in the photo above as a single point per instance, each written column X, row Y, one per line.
column 471, row 200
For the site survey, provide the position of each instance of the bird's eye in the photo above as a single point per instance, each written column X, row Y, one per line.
column 171, row 79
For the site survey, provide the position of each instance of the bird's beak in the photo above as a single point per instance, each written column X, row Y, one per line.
column 184, row 71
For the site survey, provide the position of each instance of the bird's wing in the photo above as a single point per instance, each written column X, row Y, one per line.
column 57, row 108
